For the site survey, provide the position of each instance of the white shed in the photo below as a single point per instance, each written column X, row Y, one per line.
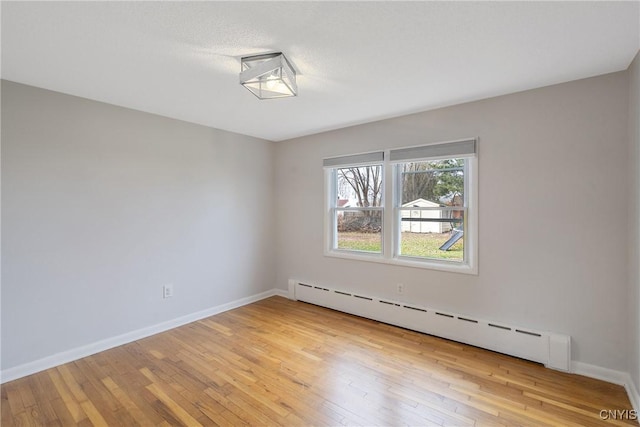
column 420, row 225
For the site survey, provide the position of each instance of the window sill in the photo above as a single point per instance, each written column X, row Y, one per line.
column 448, row 266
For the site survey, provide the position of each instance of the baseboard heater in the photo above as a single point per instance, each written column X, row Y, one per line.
column 551, row 349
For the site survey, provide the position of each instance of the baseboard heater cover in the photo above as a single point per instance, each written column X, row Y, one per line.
column 551, row 349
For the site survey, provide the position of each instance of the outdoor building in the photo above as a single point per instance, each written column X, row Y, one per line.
column 421, row 224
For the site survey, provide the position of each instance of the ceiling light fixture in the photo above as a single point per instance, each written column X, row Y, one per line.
column 268, row 76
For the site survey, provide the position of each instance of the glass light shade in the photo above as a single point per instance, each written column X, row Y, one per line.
column 268, row 76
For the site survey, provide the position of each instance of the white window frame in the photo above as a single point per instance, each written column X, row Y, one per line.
column 330, row 235
column 391, row 212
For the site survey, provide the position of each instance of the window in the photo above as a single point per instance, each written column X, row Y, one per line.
column 431, row 209
column 358, row 212
column 427, row 217
column 356, row 204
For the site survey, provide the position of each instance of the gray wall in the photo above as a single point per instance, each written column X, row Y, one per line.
column 634, row 221
column 102, row 206
column 553, row 194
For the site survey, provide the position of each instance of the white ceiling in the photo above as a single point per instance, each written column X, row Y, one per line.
column 358, row 61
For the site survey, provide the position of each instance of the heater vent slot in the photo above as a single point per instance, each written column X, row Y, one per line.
column 506, row 328
column 445, row 315
column 322, row 289
column 361, row 297
column 305, row 285
column 342, row 293
column 389, row 303
column 467, row 320
column 415, row 308
column 528, row 333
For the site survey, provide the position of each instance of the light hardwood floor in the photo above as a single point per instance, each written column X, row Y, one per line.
column 280, row 362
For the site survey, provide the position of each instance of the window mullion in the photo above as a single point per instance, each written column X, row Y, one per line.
column 391, row 216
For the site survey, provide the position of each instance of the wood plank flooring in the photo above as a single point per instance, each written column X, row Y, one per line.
column 280, row 362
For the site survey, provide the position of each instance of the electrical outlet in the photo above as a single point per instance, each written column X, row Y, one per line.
column 400, row 288
column 167, row 291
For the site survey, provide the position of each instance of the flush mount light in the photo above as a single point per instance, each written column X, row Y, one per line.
column 268, row 76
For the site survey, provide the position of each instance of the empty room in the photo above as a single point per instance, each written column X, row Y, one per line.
column 320, row 213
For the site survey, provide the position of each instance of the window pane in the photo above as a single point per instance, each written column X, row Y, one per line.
column 359, row 186
column 437, row 234
column 359, row 230
column 433, row 183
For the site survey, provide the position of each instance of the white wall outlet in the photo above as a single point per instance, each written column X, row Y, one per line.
column 167, row 291
column 400, row 288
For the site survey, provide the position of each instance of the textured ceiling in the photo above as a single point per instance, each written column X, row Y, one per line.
column 358, row 61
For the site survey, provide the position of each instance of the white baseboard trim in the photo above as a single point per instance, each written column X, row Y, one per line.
column 611, row 376
column 102, row 345
column 599, row 373
column 634, row 396
column 281, row 293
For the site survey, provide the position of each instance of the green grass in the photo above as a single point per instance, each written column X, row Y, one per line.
column 423, row 245
column 427, row 245
column 354, row 241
